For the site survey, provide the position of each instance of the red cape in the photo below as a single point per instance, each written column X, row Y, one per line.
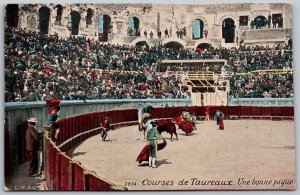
column 144, row 155
column 53, row 104
column 221, row 123
column 177, row 120
column 186, row 126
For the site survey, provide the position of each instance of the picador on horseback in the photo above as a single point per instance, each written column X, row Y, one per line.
column 184, row 122
column 144, row 116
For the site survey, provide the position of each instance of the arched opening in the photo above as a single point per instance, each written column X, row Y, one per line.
column 197, row 29
column 12, row 15
column 142, row 44
column 203, row 46
column 104, row 27
column 73, row 22
column 134, row 27
column 228, row 30
column 89, row 17
column 59, row 10
column 260, row 21
column 44, row 18
column 174, row 45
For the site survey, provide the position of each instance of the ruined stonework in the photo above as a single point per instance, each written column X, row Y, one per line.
column 148, row 19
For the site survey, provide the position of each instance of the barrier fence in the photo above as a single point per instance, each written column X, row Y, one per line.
column 260, row 101
column 63, row 173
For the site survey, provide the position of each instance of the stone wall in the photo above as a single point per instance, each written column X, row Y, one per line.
column 152, row 17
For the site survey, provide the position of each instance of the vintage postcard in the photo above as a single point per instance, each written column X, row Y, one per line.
column 149, row 96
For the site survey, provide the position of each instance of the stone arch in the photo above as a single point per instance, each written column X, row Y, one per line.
column 234, row 18
column 208, row 41
column 173, row 39
column 104, row 27
column 197, row 29
column 102, row 13
column 59, row 12
column 12, row 15
column 73, row 22
column 44, row 19
column 228, row 30
column 201, row 18
column 141, row 39
column 133, row 26
column 260, row 21
column 134, row 14
column 189, row 27
column 89, row 17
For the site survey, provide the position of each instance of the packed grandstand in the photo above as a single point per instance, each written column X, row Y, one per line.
column 76, row 68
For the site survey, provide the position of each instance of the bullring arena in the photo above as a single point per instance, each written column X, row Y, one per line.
column 251, row 149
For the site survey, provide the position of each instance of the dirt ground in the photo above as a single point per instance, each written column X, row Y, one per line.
column 248, row 154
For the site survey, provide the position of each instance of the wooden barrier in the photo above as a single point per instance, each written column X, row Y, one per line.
column 64, row 166
column 92, row 183
column 7, row 152
column 77, row 182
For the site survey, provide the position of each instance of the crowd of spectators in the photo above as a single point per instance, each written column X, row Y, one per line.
column 262, row 86
column 40, row 66
column 253, row 58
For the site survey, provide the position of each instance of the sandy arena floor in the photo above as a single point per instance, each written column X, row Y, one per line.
column 248, row 154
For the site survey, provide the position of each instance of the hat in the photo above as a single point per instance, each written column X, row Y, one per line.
column 33, row 120
column 154, row 122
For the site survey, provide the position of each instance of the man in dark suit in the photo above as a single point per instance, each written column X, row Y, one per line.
column 32, row 145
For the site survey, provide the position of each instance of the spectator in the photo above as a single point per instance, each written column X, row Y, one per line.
column 269, row 21
column 32, row 145
column 205, row 33
column 151, row 35
column 184, row 31
column 274, row 22
column 159, row 34
column 166, row 33
column 252, row 24
column 49, row 64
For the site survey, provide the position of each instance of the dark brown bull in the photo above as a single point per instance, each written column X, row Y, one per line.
column 168, row 127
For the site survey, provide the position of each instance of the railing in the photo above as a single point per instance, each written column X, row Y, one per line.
column 63, row 173
column 261, row 101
